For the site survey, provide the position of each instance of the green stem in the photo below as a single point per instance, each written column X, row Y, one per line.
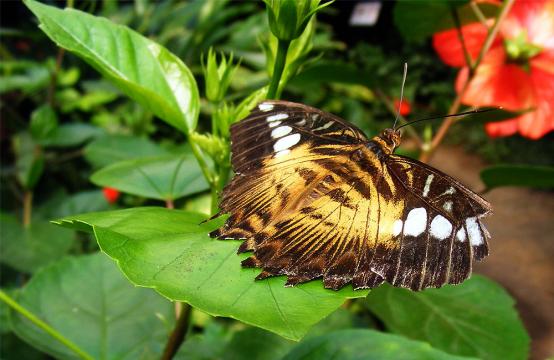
column 278, row 67
column 44, row 326
column 178, row 334
column 200, row 159
column 27, row 207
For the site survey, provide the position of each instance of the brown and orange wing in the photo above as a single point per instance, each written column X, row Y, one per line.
column 323, row 205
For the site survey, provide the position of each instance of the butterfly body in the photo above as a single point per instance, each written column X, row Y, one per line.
column 314, row 198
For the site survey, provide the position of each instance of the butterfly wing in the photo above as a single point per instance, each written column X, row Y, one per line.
column 312, row 200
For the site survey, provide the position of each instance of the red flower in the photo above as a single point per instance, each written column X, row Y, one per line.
column 517, row 72
column 110, row 194
column 405, row 107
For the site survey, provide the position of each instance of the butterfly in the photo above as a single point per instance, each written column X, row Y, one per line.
column 313, row 197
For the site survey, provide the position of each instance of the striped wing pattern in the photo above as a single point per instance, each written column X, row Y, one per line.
column 312, row 200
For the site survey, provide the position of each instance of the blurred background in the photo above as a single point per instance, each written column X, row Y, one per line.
column 61, row 122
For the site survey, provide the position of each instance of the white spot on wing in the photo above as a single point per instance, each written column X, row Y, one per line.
column 449, row 191
column 286, row 142
column 448, row 206
column 301, row 122
column 325, row 126
column 274, row 123
column 265, row 107
column 473, row 231
column 277, row 117
column 396, row 227
column 280, row 131
column 416, row 222
column 282, row 153
column 441, row 228
column 461, row 235
column 427, row 185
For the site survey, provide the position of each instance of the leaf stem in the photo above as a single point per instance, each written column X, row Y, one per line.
column 178, row 334
column 27, row 207
column 44, row 326
column 278, row 67
column 445, row 126
column 200, row 159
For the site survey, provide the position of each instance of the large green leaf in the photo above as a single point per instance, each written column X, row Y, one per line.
column 476, row 318
column 74, row 134
column 367, row 345
column 162, row 177
column 111, row 149
column 141, row 68
column 27, row 249
column 88, row 301
column 541, row 177
column 170, row 250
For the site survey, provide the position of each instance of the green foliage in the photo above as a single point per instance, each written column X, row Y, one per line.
column 167, row 87
column 540, row 177
column 29, row 248
column 111, row 149
column 166, row 177
column 88, row 301
column 172, row 252
column 365, row 344
column 476, row 318
column 72, row 131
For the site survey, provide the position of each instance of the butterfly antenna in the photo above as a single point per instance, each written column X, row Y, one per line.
column 401, row 95
column 453, row 115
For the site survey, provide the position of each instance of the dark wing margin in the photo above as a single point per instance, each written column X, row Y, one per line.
column 275, row 127
column 455, row 235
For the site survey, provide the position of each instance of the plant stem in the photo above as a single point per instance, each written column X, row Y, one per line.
column 278, row 67
column 27, row 207
column 44, row 326
column 200, row 159
column 169, row 204
column 445, row 126
column 178, row 334
column 458, row 24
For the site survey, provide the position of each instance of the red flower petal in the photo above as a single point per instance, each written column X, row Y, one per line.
column 497, row 83
column 501, row 128
column 110, row 194
column 449, row 48
column 539, row 122
column 535, row 18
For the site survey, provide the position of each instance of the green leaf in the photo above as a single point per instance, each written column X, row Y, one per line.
column 27, row 249
column 167, row 177
column 61, row 204
column 111, row 149
column 261, row 345
column 365, row 344
column 26, row 76
column 208, row 345
column 44, row 121
column 476, row 318
column 170, row 250
column 88, row 301
column 68, row 135
column 29, row 160
column 541, row 177
column 141, row 68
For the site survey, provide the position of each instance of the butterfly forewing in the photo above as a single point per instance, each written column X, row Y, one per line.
column 313, row 200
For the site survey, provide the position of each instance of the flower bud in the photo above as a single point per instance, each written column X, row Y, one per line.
column 288, row 18
column 217, row 77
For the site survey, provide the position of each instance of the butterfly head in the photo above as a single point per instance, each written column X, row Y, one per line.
column 391, row 138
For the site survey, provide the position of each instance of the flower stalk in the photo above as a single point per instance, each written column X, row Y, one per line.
column 428, row 150
column 280, row 61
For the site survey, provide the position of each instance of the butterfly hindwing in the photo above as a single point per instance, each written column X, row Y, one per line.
column 328, row 204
